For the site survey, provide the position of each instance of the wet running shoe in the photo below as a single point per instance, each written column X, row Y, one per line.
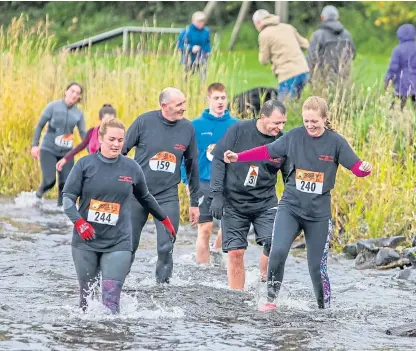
column 267, row 307
column 37, row 202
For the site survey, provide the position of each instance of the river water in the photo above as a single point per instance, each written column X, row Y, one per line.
column 197, row 311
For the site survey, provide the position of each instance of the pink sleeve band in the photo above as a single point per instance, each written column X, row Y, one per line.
column 260, row 153
column 356, row 170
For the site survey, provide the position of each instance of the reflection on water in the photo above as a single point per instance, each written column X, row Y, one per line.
column 197, row 311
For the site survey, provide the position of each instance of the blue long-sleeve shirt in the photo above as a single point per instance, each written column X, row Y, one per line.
column 190, row 37
column 208, row 130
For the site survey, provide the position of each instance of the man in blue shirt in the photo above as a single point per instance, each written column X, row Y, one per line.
column 194, row 45
column 209, row 129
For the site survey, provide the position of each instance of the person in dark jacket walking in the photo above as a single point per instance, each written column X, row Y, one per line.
column 194, row 45
column 331, row 49
column 402, row 69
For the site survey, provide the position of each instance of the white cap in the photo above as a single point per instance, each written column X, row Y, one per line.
column 199, row 16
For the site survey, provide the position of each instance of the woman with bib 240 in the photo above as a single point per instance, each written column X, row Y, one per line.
column 314, row 152
column 62, row 116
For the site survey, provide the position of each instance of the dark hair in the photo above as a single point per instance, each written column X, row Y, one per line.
column 272, row 105
column 216, row 87
column 107, row 109
column 78, row 85
column 72, row 84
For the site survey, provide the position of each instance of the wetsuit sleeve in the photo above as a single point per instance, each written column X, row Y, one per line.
column 81, row 127
column 346, row 155
column 72, row 190
column 45, row 118
column 279, row 147
column 70, row 207
column 132, row 137
column 217, row 176
column 142, row 194
column 192, row 172
column 81, row 146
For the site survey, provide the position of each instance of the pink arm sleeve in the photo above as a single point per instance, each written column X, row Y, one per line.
column 260, row 153
column 356, row 170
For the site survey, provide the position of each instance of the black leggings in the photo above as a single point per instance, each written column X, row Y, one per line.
column 317, row 234
column 114, row 267
column 48, row 163
column 139, row 217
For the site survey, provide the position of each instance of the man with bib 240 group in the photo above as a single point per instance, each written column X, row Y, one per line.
column 246, row 194
column 162, row 138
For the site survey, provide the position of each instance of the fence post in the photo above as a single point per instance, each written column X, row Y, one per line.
column 125, row 40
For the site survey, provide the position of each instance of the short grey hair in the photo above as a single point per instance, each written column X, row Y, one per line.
column 272, row 105
column 260, row 15
column 167, row 93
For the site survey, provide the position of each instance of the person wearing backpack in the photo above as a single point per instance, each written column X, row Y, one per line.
column 194, row 45
column 402, row 68
column 331, row 49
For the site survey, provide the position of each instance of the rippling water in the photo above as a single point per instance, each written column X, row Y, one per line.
column 197, row 311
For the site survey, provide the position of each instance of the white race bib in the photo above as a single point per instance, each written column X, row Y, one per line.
column 103, row 212
column 163, row 162
column 252, row 176
column 210, row 156
column 66, row 140
column 309, row 181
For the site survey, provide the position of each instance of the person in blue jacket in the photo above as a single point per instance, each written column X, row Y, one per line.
column 209, row 129
column 194, row 45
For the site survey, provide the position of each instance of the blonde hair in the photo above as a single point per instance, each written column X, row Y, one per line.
column 318, row 104
column 112, row 123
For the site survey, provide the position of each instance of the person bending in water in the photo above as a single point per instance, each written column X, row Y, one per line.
column 102, row 237
column 90, row 140
column 314, row 152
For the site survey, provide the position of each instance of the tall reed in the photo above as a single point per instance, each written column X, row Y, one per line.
column 32, row 74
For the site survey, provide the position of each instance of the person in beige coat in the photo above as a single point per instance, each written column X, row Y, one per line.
column 281, row 45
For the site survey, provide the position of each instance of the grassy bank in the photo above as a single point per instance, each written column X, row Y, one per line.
column 32, row 75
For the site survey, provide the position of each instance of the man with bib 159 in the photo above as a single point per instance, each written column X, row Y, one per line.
column 313, row 152
column 244, row 194
column 162, row 138
column 61, row 116
column 209, row 129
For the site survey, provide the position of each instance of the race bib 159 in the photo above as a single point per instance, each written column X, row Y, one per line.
column 66, row 140
column 309, row 181
column 163, row 162
column 103, row 212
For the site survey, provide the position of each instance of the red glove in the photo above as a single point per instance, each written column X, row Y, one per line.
column 84, row 229
column 169, row 226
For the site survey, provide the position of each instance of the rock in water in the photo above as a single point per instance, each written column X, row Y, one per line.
column 350, row 250
column 386, row 256
column 391, row 242
column 365, row 260
column 403, row 330
column 299, row 244
column 410, row 254
column 367, row 245
column 376, row 244
column 402, row 262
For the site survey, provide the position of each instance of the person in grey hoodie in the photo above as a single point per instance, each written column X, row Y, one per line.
column 331, row 49
column 62, row 116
